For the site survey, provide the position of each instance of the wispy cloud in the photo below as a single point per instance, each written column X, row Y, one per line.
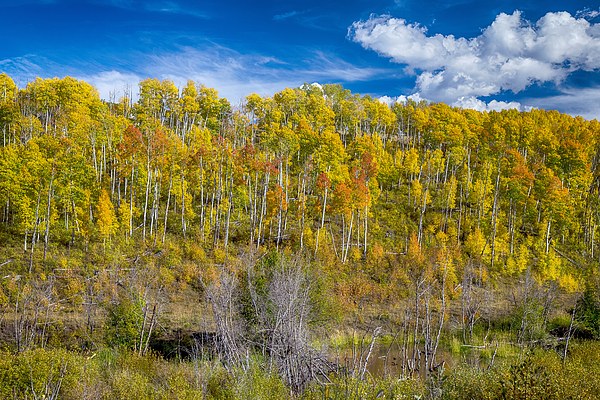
column 163, row 6
column 587, row 13
column 510, row 55
column 27, row 68
column 21, row 65
column 124, row 4
column 236, row 75
column 287, row 15
column 232, row 73
column 173, row 7
column 112, row 85
column 304, row 18
column 574, row 101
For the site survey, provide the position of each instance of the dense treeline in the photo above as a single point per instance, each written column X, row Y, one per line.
column 304, row 168
column 115, row 206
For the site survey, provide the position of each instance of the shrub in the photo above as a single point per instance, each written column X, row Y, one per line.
column 40, row 372
column 122, row 323
column 540, row 374
column 587, row 312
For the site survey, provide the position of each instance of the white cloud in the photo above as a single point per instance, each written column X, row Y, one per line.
column 112, row 85
column 236, row 75
column 480, row 105
column 287, row 15
column 401, row 99
column 27, row 65
column 582, row 102
column 509, row 55
column 463, row 102
column 587, row 13
column 233, row 74
column 173, row 7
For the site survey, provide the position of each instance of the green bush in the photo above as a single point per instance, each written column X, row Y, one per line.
column 346, row 387
column 219, row 386
column 42, row 372
column 587, row 312
column 128, row 384
column 540, row 374
column 528, row 319
column 122, row 324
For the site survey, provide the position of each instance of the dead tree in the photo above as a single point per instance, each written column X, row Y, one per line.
column 222, row 295
column 283, row 313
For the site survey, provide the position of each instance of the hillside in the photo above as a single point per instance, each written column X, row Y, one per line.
column 115, row 214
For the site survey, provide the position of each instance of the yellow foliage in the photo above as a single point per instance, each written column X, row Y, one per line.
column 510, row 266
column 166, row 276
column 418, row 192
column 522, row 260
column 449, row 194
column 310, row 236
column 355, row 254
column 568, row 282
column 276, row 201
column 442, row 238
column 411, row 161
column 475, row 243
column 125, row 214
column 219, row 255
column 549, row 267
column 188, row 272
column 107, row 221
column 377, row 252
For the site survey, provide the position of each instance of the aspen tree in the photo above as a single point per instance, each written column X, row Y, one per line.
column 107, row 221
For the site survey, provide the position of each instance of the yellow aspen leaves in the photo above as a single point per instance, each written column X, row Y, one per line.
column 106, row 220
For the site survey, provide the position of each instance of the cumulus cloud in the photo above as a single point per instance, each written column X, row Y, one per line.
column 494, row 105
column 510, row 55
column 463, row 102
column 416, row 97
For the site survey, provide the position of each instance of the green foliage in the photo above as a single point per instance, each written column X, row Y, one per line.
column 256, row 278
column 345, row 387
column 529, row 319
column 398, row 201
column 537, row 375
column 122, row 325
column 527, row 381
column 42, row 373
column 220, row 386
column 587, row 311
column 256, row 384
column 127, row 384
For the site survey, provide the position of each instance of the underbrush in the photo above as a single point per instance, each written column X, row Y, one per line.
column 538, row 374
column 113, row 374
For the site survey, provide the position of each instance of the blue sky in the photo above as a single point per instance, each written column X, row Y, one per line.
column 473, row 54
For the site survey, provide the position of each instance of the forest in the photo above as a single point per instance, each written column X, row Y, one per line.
column 180, row 246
